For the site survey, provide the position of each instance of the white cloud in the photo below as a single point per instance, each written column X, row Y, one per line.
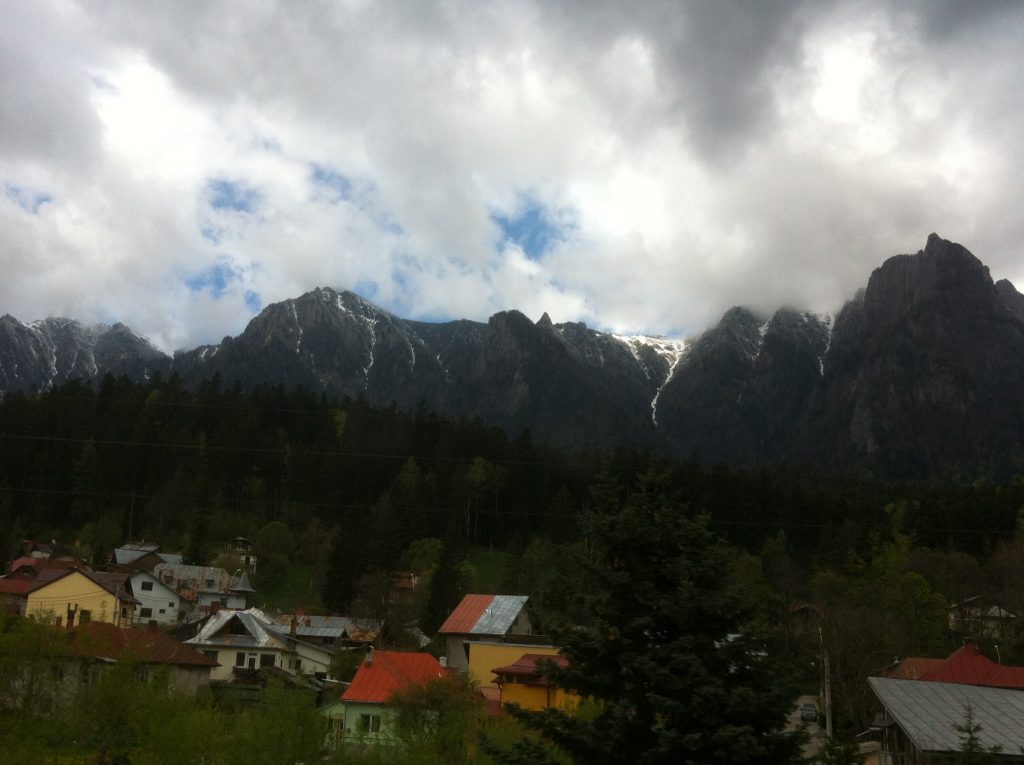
column 705, row 155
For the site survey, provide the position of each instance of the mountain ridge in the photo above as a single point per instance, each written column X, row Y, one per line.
column 921, row 371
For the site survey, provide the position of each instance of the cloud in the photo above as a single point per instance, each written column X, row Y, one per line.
column 177, row 166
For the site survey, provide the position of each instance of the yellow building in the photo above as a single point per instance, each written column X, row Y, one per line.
column 523, row 683
column 484, row 656
column 73, row 596
column 508, row 673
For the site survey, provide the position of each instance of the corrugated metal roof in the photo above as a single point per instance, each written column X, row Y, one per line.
column 465, row 616
column 928, row 711
column 329, row 626
column 966, row 665
column 378, row 678
column 124, row 556
column 484, row 615
column 260, row 629
column 499, row 617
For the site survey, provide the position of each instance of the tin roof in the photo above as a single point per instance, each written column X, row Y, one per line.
column 484, row 615
column 320, row 626
column 912, row 668
column 259, row 630
column 384, row 672
column 968, row 666
column 928, row 712
column 527, row 665
column 16, row 586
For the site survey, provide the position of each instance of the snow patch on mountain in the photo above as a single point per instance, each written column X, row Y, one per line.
column 669, row 349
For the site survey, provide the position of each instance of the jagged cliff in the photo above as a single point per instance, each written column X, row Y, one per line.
column 921, row 373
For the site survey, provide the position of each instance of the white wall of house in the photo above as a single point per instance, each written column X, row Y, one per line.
column 312, row 658
column 229, row 658
column 157, row 602
column 224, row 599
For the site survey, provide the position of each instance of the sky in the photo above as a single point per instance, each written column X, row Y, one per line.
column 641, row 167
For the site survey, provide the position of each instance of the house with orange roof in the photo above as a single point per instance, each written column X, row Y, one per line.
column 362, row 712
column 486, row 618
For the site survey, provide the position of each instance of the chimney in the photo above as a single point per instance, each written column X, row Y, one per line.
column 368, row 660
column 294, row 626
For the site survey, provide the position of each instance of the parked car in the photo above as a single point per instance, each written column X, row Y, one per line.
column 809, row 712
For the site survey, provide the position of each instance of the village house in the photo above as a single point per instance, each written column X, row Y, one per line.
column 966, row 666
column 205, row 589
column 157, row 603
column 248, row 640
column 919, row 722
column 363, row 713
column 979, row 618
column 330, row 632
column 522, row 682
column 148, row 650
column 245, row 551
column 140, row 556
column 76, row 596
column 489, row 618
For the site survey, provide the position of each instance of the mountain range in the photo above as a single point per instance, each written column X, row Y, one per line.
column 920, row 374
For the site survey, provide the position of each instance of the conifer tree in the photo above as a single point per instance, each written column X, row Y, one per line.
column 667, row 656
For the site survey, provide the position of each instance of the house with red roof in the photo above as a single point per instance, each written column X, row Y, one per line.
column 965, row 666
column 486, row 618
column 363, row 712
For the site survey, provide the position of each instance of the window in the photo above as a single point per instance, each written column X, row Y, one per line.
column 266, row 660
column 209, row 584
column 240, row 659
column 84, row 616
column 163, row 610
column 147, row 586
column 369, row 723
column 211, row 655
column 171, row 604
column 145, row 613
column 298, row 664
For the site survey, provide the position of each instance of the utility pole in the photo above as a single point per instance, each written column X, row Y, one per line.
column 828, row 697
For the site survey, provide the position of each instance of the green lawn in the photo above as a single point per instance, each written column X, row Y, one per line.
column 294, row 590
column 488, row 570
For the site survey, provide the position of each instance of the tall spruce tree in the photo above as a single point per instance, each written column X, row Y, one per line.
column 667, row 656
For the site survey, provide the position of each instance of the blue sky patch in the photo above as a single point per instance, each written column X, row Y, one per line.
column 215, row 279
column 232, row 195
column 330, row 179
column 27, row 199
column 253, row 301
column 532, row 228
column 366, row 288
column 211, row 234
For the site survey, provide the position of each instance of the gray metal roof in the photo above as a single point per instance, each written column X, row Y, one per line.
column 500, row 615
column 928, row 711
column 262, row 632
column 328, row 626
column 260, row 629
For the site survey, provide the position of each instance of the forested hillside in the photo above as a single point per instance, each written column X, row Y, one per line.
column 348, row 493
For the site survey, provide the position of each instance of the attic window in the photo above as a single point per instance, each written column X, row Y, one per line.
column 147, row 585
column 235, row 628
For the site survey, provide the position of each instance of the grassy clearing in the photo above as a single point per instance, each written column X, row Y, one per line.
column 488, row 569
